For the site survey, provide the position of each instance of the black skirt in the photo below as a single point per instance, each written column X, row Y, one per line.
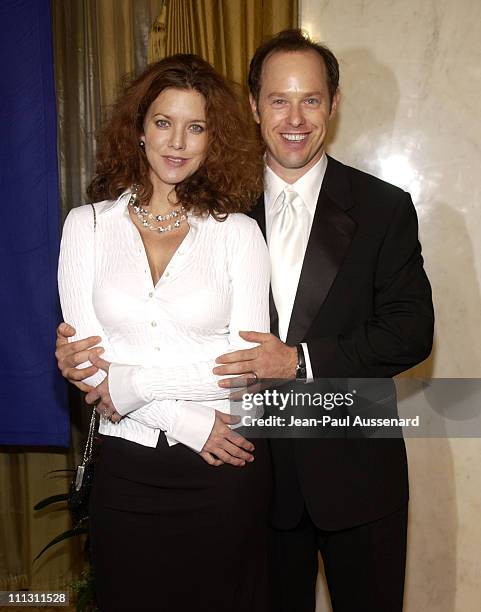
column 168, row 532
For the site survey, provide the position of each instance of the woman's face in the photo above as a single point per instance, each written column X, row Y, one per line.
column 175, row 135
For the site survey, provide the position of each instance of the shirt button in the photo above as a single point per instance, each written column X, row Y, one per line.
column 154, row 324
column 167, row 274
column 151, row 294
column 157, row 348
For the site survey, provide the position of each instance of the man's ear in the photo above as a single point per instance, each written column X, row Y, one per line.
column 254, row 110
column 335, row 103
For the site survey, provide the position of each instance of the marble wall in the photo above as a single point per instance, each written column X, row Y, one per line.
column 410, row 113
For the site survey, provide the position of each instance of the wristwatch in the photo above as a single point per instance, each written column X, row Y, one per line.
column 301, row 370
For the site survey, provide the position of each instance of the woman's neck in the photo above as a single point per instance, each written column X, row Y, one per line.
column 163, row 200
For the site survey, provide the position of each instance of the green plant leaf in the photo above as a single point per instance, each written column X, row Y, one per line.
column 63, row 536
column 51, row 500
column 84, row 599
column 65, row 470
column 84, row 589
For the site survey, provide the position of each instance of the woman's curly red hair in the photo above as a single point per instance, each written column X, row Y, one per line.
column 230, row 178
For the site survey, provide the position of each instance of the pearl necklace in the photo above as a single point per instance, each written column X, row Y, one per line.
column 144, row 215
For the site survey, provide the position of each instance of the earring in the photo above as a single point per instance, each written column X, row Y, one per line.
column 141, row 144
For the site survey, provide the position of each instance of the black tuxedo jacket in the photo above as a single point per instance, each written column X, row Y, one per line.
column 364, row 308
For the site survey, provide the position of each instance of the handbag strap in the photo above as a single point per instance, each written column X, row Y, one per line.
column 95, row 215
column 90, row 438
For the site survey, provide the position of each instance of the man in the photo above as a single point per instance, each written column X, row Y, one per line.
column 349, row 299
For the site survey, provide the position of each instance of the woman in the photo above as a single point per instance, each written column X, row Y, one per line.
column 167, row 278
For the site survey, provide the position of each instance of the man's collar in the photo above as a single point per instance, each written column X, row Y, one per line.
column 273, row 186
column 308, row 186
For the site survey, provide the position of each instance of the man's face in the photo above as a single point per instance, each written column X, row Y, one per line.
column 294, row 111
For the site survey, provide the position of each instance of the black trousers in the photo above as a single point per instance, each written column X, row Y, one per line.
column 364, row 565
column 171, row 533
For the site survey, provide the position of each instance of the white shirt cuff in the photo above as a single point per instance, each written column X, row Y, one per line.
column 193, row 425
column 309, row 374
column 93, row 380
column 123, row 389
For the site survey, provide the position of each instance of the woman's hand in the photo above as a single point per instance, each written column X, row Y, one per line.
column 100, row 396
column 225, row 445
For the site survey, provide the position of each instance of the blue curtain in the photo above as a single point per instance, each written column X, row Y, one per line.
column 33, row 403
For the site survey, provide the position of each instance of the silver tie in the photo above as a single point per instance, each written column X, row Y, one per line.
column 287, row 245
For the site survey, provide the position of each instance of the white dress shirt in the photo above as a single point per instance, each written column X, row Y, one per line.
column 308, row 188
column 162, row 340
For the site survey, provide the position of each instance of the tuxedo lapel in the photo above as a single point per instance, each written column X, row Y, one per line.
column 259, row 214
column 330, row 238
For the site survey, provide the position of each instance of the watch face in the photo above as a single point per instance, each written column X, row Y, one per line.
column 301, row 373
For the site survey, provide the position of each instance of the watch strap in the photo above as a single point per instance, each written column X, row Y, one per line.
column 301, row 369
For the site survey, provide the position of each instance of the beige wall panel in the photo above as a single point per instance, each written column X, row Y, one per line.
column 410, row 113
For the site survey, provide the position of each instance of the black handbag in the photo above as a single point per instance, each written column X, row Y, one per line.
column 81, row 485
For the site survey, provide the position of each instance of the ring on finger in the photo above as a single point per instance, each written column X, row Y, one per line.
column 256, row 378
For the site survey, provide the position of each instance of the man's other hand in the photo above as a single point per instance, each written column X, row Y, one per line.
column 71, row 354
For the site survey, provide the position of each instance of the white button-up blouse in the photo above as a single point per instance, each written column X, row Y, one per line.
column 162, row 340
